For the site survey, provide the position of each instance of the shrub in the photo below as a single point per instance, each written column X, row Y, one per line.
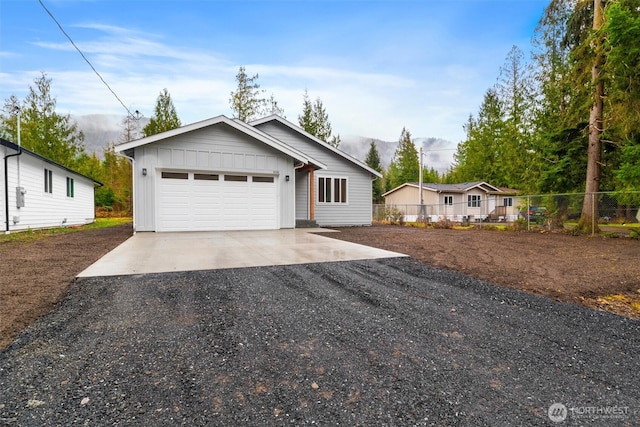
column 443, row 224
column 519, row 224
column 394, row 215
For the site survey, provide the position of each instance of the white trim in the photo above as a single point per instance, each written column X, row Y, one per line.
column 332, row 178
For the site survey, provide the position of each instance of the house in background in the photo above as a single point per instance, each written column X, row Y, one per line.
column 472, row 201
column 39, row 193
column 225, row 174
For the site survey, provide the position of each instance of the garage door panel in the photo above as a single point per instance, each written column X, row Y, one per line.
column 212, row 202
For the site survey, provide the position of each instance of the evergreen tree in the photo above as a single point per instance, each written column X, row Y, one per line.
column 373, row 161
column 405, row 166
column 306, row 120
column 246, row 102
column 557, row 139
column 622, row 64
column 594, row 151
column 164, row 116
column 481, row 156
column 315, row 120
column 273, row 107
column 115, row 194
column 43, row 130
column 515, row 96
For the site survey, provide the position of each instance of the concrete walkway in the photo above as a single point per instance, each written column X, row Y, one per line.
column 166, row 252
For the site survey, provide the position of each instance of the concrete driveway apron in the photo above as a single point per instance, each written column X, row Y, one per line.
column 187, row 251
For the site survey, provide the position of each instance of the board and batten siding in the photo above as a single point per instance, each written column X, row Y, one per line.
column 358, row 209
column 217, row 149
column 302, row 197
column 42, row 209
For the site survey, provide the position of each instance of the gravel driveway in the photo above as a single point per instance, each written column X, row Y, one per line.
column 378, row 342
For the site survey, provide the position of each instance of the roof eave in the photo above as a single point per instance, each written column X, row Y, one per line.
column 315, row 139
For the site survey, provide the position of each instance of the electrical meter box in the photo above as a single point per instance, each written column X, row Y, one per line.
column 20, row 192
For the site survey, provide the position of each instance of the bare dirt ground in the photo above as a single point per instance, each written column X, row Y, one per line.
column 34, row 275
column 597, row 272
column 601, row 273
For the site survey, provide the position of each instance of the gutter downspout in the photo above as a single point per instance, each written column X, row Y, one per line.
column 6, row 187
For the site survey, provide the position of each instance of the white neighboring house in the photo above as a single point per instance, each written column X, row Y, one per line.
column 36, row 192
column 224, row 174
column 474, row 201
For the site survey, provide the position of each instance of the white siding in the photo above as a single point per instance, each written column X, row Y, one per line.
column 358, row 209
column 216, row 149
column 41, row 209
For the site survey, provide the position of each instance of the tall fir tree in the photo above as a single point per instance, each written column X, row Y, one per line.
column 373, row 161
column 315, row 120
column 164, row 117
column 405, row 166
column 246, row 101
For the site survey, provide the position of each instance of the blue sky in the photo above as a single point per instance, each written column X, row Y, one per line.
column 377, row 66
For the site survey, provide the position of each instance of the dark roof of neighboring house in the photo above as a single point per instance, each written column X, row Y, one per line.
column 15, row 147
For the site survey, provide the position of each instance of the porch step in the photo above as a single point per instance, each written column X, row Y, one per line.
column 306, row 223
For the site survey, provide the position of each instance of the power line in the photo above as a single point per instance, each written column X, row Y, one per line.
column 85, row 58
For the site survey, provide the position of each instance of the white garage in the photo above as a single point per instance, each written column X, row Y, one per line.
column 207, row 201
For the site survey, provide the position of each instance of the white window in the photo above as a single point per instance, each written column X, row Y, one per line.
column 448, row 200
column 332, row 190
column 507, row 201
column 473, row 200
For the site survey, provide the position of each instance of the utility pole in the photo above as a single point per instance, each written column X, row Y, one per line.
column 19, row 141
column 420, row 179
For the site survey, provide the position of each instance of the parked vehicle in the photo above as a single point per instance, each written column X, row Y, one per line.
column 536, row 214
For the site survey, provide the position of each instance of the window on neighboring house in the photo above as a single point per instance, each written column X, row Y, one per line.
column 507, row 201
column 332, row 190
column 448, row 200
column 70, row 187
column 48, row 181
column 473, row 200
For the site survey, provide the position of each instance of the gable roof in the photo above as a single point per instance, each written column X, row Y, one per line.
column 236, row 124
column 450, row 188
column 16, row 147
column 275, row 117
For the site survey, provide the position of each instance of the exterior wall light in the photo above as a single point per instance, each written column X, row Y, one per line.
column 144, row 171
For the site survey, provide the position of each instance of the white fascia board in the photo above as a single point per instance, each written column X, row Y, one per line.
column 316, row 140
column 481, row 185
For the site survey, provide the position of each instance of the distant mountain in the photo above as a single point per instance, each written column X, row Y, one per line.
column 101, row 130
column 438, row 152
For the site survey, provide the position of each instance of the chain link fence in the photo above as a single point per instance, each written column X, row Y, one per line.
column 551, row 210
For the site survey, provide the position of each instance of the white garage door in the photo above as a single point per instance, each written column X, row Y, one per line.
column 189, row 201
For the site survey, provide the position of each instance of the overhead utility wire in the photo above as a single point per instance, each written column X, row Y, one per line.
column 85, row 58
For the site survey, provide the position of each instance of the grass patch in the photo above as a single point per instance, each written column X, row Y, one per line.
column 29, row 235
